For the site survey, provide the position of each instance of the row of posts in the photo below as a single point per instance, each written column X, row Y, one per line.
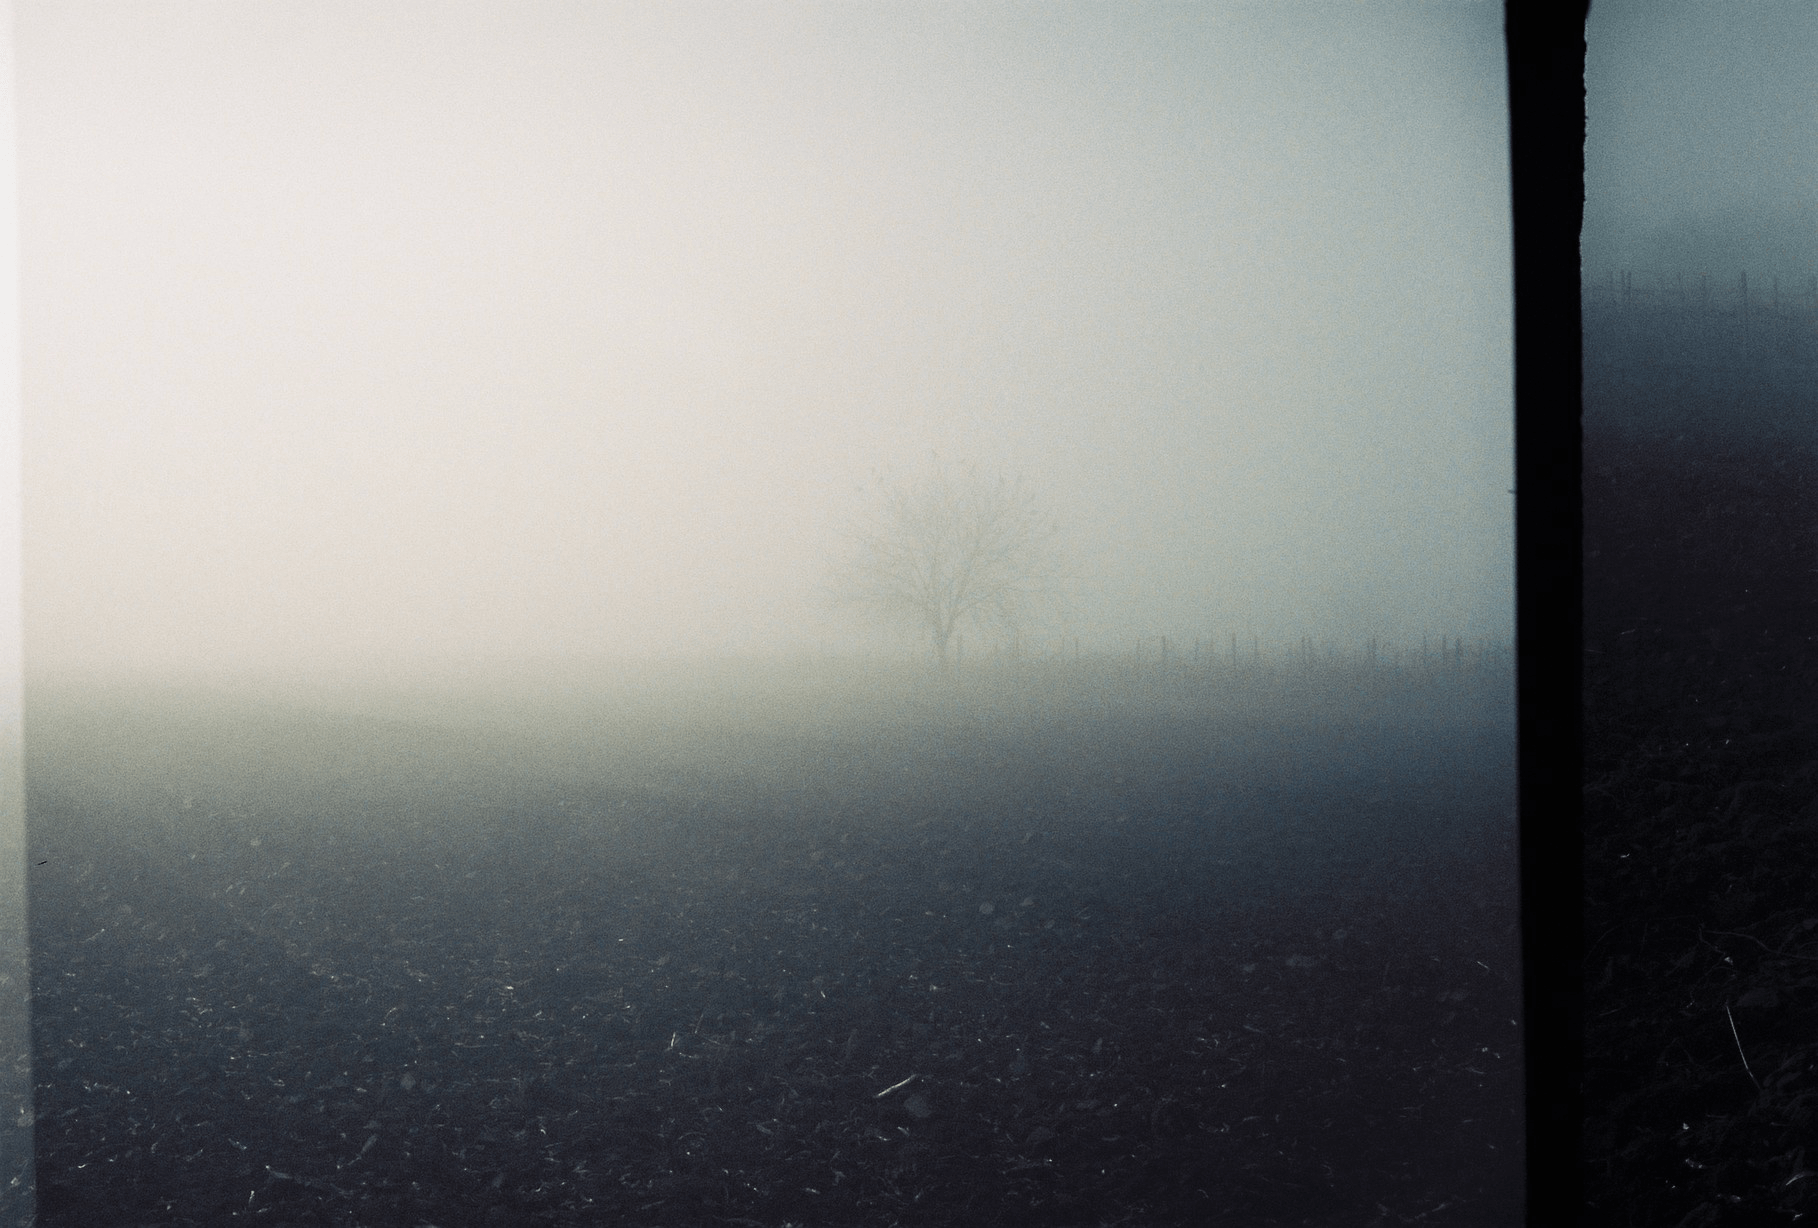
column 1452, row 653
column 1624, row 291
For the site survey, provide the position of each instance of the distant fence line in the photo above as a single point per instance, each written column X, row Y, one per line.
column 1700, row 322
column 1166, row 656
column 1770, row 296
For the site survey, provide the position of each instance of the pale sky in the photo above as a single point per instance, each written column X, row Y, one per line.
column 1701, row 143
column 372, row 329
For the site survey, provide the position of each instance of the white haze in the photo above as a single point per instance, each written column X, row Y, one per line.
column 1700, row 145
column 379, row 331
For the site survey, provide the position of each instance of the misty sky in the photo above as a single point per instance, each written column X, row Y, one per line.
column 378, row 330
column 1701, row 148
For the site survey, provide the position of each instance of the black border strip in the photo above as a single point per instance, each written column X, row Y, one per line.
column 1546, row 51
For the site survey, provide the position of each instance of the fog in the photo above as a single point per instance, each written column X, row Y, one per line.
column 391, row 333
column 1699, row 151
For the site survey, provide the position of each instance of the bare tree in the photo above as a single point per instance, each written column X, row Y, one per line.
column 951, row 548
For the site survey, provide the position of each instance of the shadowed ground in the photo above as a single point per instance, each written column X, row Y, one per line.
column 1063, row 952
column 1701, row 799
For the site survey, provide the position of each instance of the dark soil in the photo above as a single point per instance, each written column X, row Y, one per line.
column 1701, row 803
column 1142, row 969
